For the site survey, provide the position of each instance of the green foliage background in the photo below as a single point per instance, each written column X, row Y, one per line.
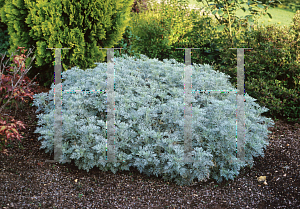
column 83, row 26
column 272, row 70
column 157, row 33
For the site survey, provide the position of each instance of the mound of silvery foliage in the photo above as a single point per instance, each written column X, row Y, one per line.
column 149, row 116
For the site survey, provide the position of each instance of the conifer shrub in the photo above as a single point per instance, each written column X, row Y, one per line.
column 82, row 26
column 149, row 121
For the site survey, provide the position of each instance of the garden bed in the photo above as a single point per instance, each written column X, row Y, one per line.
column 27, row 181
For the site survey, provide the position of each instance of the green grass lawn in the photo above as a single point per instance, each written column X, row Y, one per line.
column 281, row 16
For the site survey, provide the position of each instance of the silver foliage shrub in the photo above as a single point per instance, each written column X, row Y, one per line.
column 149, row 115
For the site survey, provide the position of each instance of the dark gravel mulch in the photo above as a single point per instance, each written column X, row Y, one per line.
column 27, row 181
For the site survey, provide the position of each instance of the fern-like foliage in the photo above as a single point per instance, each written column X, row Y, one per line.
column 149, row 121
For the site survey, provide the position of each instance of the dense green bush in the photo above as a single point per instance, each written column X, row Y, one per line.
column 77, row 25
column 281, row 96
column 126, row 44
column 173, row 28
column 204, row 36
column 159, row 33
column 271, row 70
column 283, row 100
